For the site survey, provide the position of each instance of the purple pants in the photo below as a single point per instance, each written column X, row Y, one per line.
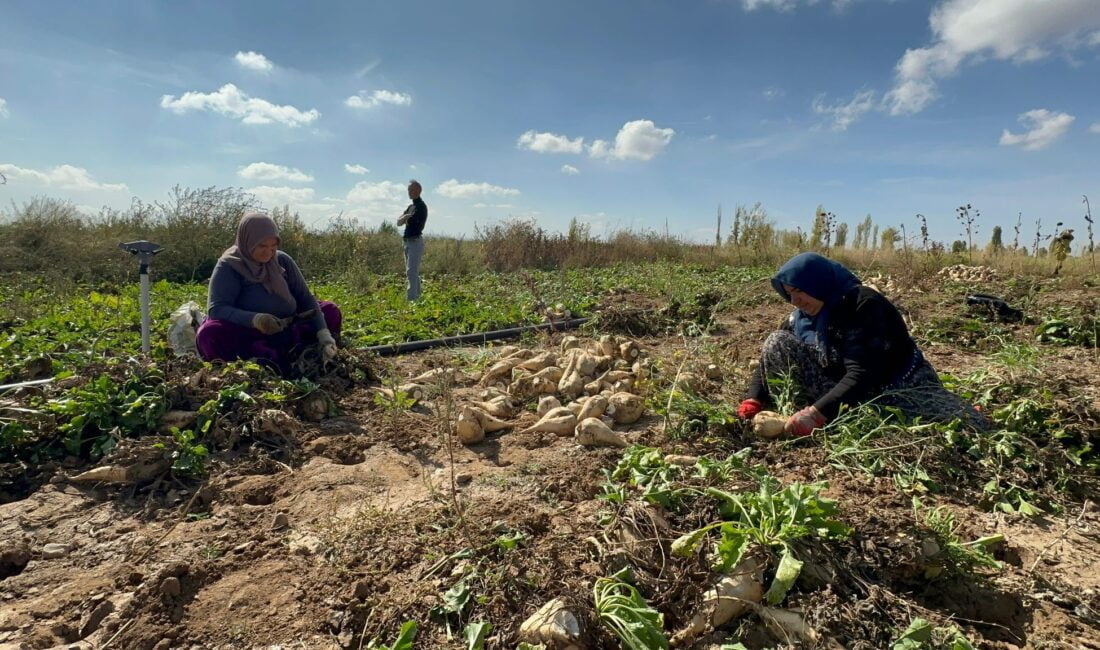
column 221, row 340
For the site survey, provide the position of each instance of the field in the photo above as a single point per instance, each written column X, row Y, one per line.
column 326, row 513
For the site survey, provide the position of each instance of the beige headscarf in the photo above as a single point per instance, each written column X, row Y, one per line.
column 253, row 229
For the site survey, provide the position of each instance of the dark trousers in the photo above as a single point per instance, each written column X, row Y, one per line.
column 222, row 340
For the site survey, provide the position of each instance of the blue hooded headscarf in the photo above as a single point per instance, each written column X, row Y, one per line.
column 822, row 278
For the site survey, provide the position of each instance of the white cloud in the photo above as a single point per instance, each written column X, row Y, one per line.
column 229, row 100
column 378, row 97
column 373, row 202
column 773, row 92
column 968, row 30
column 3, row 107
column 788, row 5
column 66, row 177
column 254, row 61
column 1044, row 128
column 262, row 171
column 276, row 196
column 355, row 169
column 570, row 170
column 453, row 189
column 502, row 206
column 549, row 143
column 779, row 5
column 385, row 191
column 844, row 115
column 1095, row 128
column 637, row 140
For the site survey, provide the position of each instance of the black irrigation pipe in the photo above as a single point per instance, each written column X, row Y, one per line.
column 479, row 337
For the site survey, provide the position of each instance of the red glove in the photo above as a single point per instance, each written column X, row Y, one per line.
column 749, row 408
column 804, row 422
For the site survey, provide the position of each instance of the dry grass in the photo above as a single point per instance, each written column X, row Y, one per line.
column 46, row 237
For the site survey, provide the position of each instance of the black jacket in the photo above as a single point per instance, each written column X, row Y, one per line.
column 414, row 227
column 869, row 348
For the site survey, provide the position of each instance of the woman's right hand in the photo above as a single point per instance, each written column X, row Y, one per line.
column 749, row 408
column 267, row 324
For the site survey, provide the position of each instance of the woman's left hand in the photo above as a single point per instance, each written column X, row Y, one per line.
column 328, row 345
column 804, row 422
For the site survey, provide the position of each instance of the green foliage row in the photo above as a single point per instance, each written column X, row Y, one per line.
column 75, row 328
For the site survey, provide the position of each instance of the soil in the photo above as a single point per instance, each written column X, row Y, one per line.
column 359, row 522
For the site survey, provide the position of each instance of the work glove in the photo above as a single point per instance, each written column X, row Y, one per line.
column 328, row 345
column 804, row 422
column 749, row 408
column 267, row 324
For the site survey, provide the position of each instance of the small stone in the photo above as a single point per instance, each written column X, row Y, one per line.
column 13, row 560
column 52, row 551
column 135, row 578
column 463, row 478
column 178, row 419
column 280, row 521
column 306, row 545
column 95, row 617
column 362, row 589
column 170, row 587
column 244, row 548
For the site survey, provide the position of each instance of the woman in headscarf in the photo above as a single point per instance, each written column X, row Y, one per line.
column 259, row 306
column 846, row 344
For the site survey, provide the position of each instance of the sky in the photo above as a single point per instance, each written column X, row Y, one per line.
column 619, row 114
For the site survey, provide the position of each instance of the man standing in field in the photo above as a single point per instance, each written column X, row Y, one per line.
column 414, row 218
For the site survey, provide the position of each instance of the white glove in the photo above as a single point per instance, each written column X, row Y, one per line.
column 328, row 345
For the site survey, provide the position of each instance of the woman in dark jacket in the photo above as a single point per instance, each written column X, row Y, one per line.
column 846, row 344
column 260, row 306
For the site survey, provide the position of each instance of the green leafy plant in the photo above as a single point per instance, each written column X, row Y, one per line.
column 454, row 603
column 771, row 519
column 690, row 414
column 401, row 401
column 96, row 415
column 784, row 392
column 955, row 556
column 645, row 469
column 404, row 640
column 645, row 472
column 625, row 612
column 879, row 440
column 188, row 457
column 1069, row 330
column 475, row 634
column 922, row 635
column 509, row 541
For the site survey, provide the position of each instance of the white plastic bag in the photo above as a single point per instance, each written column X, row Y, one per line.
column 182, row 325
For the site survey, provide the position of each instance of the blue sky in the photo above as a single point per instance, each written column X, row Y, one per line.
column 622, row 114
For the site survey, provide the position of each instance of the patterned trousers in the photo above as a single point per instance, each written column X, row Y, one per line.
column 920, row 394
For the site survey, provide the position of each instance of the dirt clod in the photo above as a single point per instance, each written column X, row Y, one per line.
column 170, row 587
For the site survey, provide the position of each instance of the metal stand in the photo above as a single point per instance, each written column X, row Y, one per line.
column 144, row 251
